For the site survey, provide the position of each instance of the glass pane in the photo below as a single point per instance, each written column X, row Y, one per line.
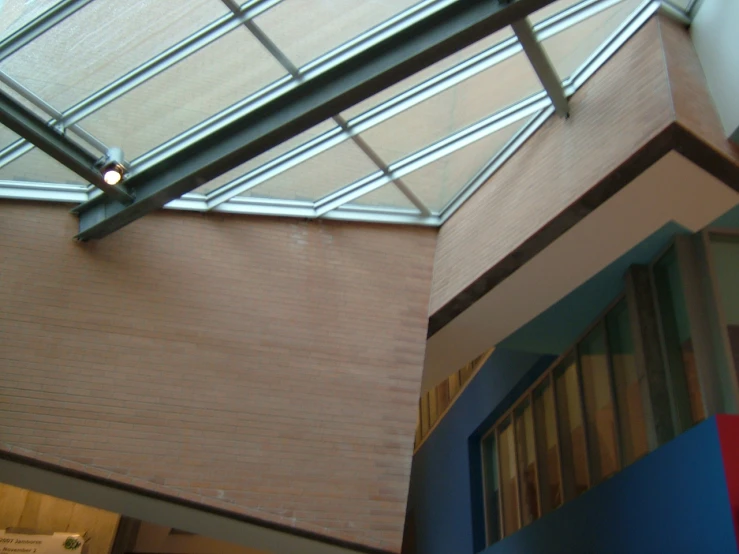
column 628, row 387
column 509, row 480
column 551, row 10
column 547, row 447
column 7, row 137
column 725, row 250
column 601, row 417
column 683, row 374
column 306, row 29
column 187, row 93
column 526, row 455
column 570, row 49
column 318, row 176
column 431, row 71
column 266, row 157
column 571, row 430
column 492, row 492
column 454, row 109
column 437, row 183
column 387, row 196
column 15, row 14
column 101, row 42
column 35, row 166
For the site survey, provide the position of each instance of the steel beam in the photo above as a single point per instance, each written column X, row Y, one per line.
column 398, row 56
column 542, row 65
column 22, row 121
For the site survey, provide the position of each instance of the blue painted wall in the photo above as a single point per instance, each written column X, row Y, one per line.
column 441, row 492
column 673, row 500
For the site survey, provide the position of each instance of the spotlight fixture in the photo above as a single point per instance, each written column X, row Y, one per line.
column 112, row 166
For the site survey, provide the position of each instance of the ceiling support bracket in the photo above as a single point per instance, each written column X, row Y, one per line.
column 542, row 66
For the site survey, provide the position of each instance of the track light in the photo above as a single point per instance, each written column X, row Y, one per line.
column 113, row 166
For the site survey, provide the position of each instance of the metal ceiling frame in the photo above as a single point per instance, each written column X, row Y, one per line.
column 338, row 201
column 308, row 103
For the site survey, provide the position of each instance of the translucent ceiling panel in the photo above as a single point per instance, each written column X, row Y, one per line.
column 437, row 183
column 470, row 101
column 306, row 29
column 268, row 156
column 208, row 81
column 37, row 167
column 318, row 176
column 551, row 10
column 15, row 14
column 387, row 196
column 7, row 137
column 570, row 48
column 101, row 42
column 429, row 72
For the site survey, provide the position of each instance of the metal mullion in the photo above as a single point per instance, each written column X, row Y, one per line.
column 542, row 66
column 445, row 80
column 411, row 15
column 515, row 469
column 430, row 154
column 498, row 159
column 382, row 166
column 620, row 456
column 159, row 63
column 373, row 181
column 14, row 151
column 501, row 519
column 263, row 38
column 35, row 28
column 584, row 416
column 34, row 129
column 536, row 455
column 287, row 64
column 360, row 123
column 552, row 380
column 52, row 112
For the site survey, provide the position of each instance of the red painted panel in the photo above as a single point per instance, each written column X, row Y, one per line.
column 728, row 430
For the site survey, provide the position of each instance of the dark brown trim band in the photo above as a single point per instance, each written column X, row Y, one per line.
column 673, row 137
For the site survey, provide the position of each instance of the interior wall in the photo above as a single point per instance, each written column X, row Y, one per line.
column 21, row 508
column 267, row 367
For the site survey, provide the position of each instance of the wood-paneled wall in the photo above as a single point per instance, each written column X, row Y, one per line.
column 21, row 508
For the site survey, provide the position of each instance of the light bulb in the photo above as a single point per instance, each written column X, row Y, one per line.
column 112, row 176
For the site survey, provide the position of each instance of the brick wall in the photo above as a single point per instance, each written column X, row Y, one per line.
column 271, row 367
column 616, row 112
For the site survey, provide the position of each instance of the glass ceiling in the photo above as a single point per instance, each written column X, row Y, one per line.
column 150, row 76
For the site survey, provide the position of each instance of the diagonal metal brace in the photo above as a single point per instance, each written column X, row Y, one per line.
column 542, row 65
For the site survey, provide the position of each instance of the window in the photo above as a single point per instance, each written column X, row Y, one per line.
column 725, row 251
column 683, row 374
column 588, row 415
column 526, row 456
column 547, row 447
column 576, row 477
column 627, row 385
column 492, row 488
column 599, row 408
column 509, row 478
